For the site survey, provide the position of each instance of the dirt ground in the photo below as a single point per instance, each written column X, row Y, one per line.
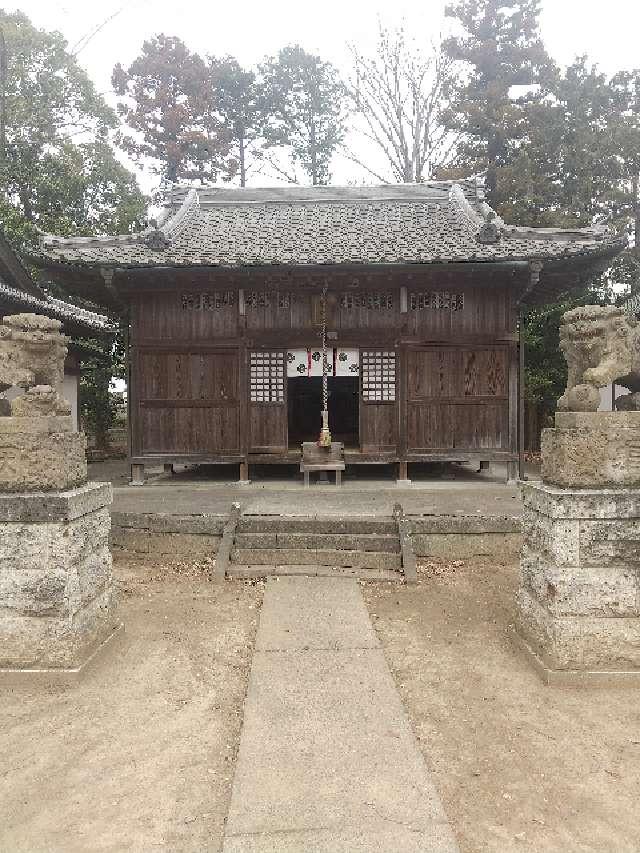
column 520, row 766
column 139, row 756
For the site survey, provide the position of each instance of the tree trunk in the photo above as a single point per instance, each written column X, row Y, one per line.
column 491, row 184
column 242, row 158
column 27, row 207
column 3, row 94
column 636, row 215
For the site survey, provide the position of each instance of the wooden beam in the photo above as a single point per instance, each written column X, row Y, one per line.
column 521, row 393
column 512, row 468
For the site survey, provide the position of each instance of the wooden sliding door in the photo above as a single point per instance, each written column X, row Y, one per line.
column 186, row 402
column 378, row 401
column 267, row 401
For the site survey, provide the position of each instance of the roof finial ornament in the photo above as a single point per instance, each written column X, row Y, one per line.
column 489, row 231
column 155, row 238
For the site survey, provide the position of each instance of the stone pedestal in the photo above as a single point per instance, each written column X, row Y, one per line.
column 56, row 590
column 579, row 597
column 589, row 450
column 41, row 454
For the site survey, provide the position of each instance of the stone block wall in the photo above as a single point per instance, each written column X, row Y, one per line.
column 56, row 589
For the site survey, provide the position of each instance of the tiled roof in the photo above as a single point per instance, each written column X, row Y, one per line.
column 404, row 224
column 56, row 308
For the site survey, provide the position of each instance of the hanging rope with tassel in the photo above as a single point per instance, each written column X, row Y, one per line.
column 325, row 435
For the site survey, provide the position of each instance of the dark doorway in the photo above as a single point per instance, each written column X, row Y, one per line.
column 304, row 395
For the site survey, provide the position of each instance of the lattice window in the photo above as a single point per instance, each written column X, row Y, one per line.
column 267, row 371
column 208, row 301
column 266, row 298
column 378, row 376
column 367, row 299
column 436, row 300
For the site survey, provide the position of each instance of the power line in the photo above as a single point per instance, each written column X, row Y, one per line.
column 84, row 41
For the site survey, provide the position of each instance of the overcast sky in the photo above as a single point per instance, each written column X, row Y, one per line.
column 251, row 29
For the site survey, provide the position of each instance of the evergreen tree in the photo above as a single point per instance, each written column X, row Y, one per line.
column 243, row 110
column 49, row 180
column 58, row 171
column 307, row 99
column 500, row 45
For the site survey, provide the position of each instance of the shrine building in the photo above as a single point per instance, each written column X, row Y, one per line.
column 418, row 289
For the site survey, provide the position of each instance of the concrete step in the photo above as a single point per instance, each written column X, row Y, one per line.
column 317, row 557
column 312, row 571
column 302, row 524
column 387, row 543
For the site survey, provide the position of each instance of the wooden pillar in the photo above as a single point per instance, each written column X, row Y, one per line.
column 402, row 361
column 521, row 390
column 512, row 466
column 137, row 475
column 244, row 474
column 403, row 473
column 127, row 374
column 535, row 269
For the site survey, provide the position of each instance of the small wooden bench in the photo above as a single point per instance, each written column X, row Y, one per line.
column 322, row 459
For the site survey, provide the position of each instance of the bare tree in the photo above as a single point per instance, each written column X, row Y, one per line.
column 399, row 96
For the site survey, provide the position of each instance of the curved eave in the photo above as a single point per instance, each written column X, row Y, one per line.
column 166, row 261
column 560, row 272
column 564, row 274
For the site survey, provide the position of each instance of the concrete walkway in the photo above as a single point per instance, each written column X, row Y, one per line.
column 327, row 761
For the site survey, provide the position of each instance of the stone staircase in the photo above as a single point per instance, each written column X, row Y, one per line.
column 276, row 545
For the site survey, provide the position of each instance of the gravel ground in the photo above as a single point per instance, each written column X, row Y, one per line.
column 519, row 766
column 139, row 756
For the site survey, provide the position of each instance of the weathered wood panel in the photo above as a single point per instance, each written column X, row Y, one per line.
column 186, row 403
column 268, row 428
column 457, row 398
column 484, row 311
column 189, row 430
column 378, row 427
column 187, row 315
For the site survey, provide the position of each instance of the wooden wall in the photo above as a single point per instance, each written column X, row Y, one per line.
column 454, row 341
column 457, row 398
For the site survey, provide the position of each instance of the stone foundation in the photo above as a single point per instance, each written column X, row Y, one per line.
column 56, row 590
column 579, row 598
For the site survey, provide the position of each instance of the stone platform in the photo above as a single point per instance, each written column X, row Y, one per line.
column 56, row 587
column 579, row 599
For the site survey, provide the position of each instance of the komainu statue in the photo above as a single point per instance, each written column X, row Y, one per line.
column 39, row 451
column 32, row 353
column 601, row 345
